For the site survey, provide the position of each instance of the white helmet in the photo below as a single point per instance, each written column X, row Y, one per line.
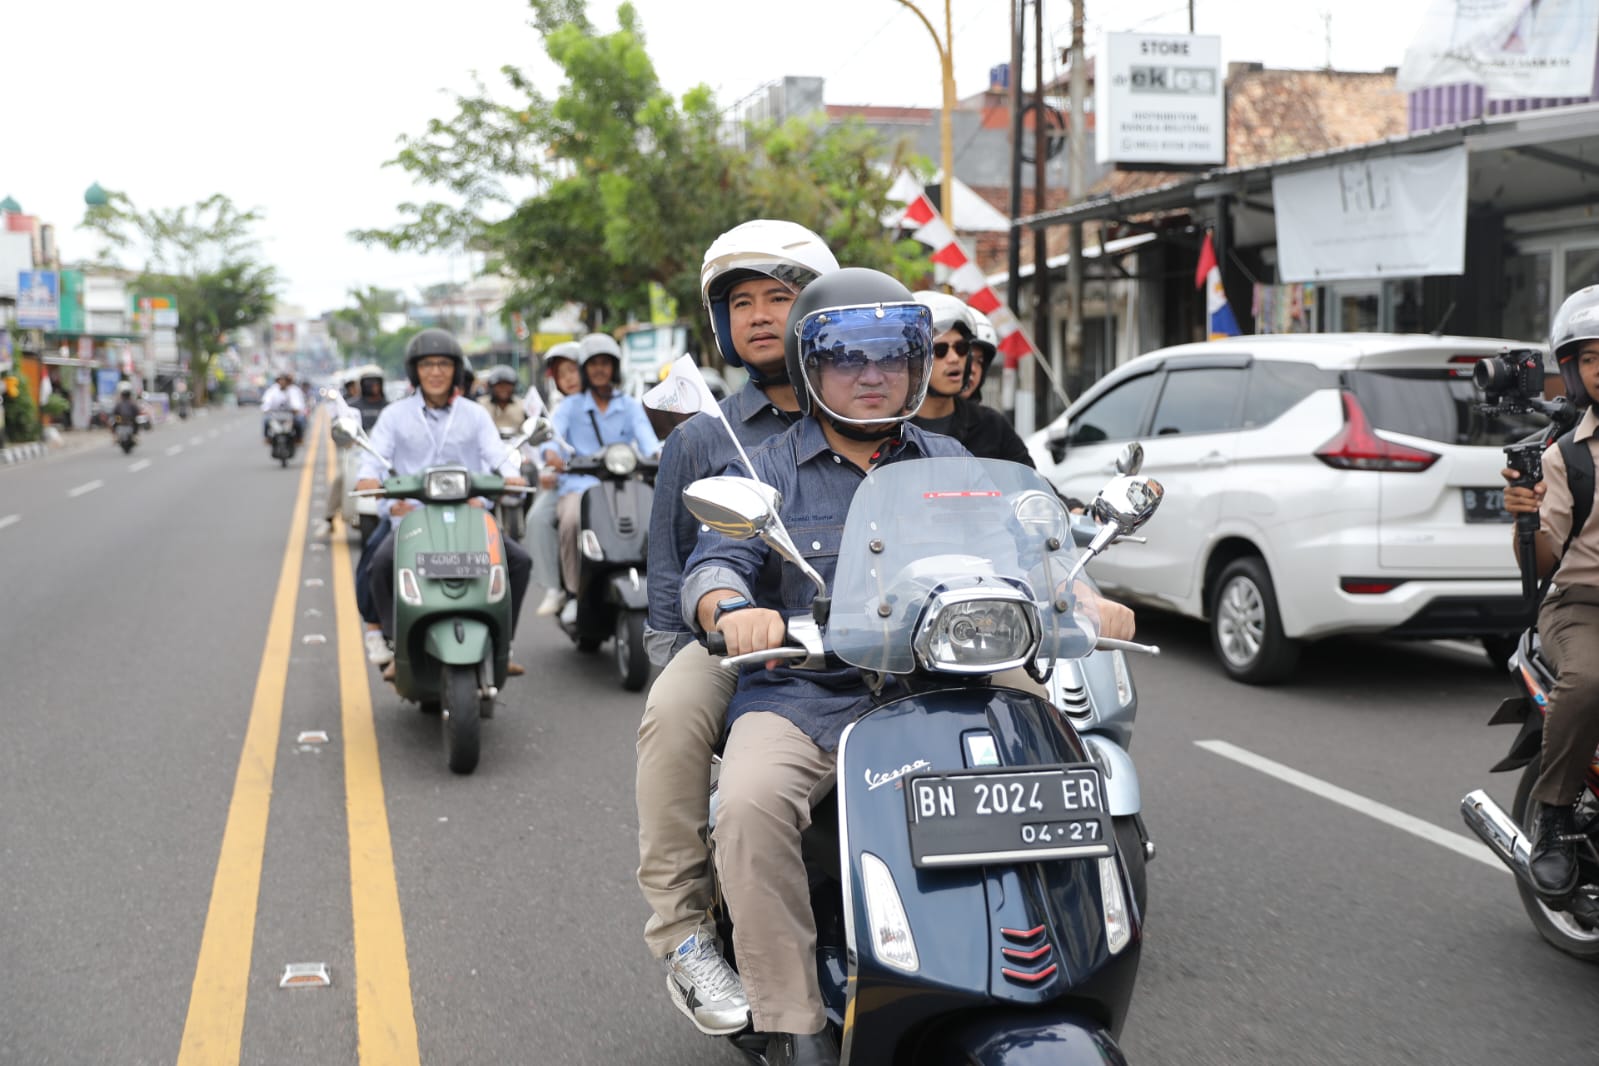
column 762, row 247
column 949, row 312
column 984, row 335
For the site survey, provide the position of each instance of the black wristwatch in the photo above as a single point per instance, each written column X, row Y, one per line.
column 731, row 603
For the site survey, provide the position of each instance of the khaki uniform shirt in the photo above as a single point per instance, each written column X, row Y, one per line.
column 1581, row 563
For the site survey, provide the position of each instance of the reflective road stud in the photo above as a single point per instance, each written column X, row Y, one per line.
column 305, row 975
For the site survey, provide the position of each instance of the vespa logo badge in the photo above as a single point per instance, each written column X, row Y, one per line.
column 876, row 780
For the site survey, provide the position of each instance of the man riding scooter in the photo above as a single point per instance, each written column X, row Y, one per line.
column 433, row 426
column 858, row 350
column 283, row 395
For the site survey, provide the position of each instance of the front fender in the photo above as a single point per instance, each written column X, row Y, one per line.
column 457, row 641
column 630, row 590
column 1017, row 1039
column 1121, row 776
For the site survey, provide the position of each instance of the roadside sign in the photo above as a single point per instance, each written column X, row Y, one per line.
column 38, row 306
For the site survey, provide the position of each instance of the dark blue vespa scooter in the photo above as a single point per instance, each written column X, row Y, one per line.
column 971, row 901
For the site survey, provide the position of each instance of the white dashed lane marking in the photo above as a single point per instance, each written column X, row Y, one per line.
column 87, row 486
column 1470, row 847
column 10, row 520
column 140, row 465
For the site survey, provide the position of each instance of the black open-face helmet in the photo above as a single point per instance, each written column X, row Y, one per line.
column 850, row 319
column 1575, row 322
column 432, row 342
column 599, row 344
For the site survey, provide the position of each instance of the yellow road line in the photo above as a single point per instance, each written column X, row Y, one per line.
column 214, row 1028
column 385, row 1016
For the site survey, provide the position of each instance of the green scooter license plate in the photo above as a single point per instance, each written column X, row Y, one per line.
column 446, row 565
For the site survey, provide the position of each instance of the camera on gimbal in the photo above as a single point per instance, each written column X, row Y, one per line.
column 1510, row 380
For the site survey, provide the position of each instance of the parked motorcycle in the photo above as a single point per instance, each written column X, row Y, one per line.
column 1570, row 923
column 452, row 610
column 611, row 598
column 974, row 901
column 280, row 432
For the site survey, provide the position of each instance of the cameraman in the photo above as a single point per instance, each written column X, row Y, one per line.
column 1569, row 617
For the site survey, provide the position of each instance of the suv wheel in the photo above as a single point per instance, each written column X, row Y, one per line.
column 1245, row 627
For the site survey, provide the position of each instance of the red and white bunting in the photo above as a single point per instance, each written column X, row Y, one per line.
column 929, row 228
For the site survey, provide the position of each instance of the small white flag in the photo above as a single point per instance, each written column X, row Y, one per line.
column 684, row 392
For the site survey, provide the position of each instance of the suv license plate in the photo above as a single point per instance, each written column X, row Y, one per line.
column 1486, row 505
column 445, row 565
column 1027, row 814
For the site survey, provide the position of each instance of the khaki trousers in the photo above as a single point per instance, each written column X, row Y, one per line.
column 569, row 515
column 683, row 716
column 1569, row 624
column 771, row 774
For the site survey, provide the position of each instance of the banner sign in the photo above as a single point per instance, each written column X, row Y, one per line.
column 1513, row 48
column 1158, row 99
column 1384, row 217
column 37, row 303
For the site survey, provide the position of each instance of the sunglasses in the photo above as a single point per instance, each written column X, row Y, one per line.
column 963, row 348
column 852, row 362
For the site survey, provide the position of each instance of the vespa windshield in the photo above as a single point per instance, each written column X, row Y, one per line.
column 924, row 526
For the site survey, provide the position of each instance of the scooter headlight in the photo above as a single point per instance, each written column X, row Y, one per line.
column 446, row 486
column 892, row 941
column 977, row 631
column 620, row 459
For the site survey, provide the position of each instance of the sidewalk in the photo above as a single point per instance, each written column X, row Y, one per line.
column 65, row 442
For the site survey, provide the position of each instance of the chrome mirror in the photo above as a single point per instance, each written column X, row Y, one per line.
column 1127, row 502
column 537, row 430
column 1131, row 459
column 735, row 507
column 346, row 427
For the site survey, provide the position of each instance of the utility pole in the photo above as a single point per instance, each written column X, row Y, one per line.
column 1076, row 181
column 946, row 119
column 1042, row 334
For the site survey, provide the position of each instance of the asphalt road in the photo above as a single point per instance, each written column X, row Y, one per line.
column 139, row 670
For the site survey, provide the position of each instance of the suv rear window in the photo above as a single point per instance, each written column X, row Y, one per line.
column 1437, row 405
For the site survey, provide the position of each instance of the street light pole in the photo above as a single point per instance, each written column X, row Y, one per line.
column 946, row 122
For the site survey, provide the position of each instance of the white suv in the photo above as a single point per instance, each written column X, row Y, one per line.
column 1315, row 484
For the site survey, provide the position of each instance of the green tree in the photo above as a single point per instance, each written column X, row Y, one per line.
column 631, row 184
column 357, row 327
column 205, row 255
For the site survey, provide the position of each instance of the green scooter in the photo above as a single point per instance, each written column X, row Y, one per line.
column 452, row 591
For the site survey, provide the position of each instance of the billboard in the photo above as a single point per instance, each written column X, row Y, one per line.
column 37, row 303
column 1382, row 217
column 1512, row 48
column 1159, row 101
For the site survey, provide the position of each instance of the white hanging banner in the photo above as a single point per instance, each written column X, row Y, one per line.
column 1513, row 48
column 1385, row 217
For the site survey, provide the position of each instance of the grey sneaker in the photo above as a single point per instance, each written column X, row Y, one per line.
column 378, row 652
column 706, row 988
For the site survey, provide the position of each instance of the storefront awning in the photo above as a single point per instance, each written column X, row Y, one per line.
column 1553, row 155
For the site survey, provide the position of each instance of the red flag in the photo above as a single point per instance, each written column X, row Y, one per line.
column 921, row 211
column 1207, row 262
column 984, row 300
column 951, row 256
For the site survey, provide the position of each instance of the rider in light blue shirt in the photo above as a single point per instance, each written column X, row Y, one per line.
column 588, row 422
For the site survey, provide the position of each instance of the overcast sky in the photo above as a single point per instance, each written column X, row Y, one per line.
column 292, row 107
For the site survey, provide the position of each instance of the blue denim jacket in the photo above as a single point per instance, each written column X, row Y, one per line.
column 817, row 486
column 698, row 448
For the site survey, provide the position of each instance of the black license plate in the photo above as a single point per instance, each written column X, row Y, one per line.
column 1024, row 815
column 444, row 565
column 1486, row 505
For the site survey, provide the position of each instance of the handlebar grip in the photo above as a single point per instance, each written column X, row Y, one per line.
column 716, row 643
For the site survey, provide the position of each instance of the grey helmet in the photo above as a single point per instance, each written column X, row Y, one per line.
column 431, row 342
column 1575, row 322
column 500, row 375
column 865, row 316
column 599, row 344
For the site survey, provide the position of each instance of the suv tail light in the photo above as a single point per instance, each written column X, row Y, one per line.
column 1357, row 446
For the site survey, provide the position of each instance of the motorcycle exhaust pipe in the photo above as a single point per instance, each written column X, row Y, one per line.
column 1502, row 835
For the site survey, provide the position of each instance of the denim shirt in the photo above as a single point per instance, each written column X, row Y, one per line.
column 817, row 486
column 622, row 422
column 696, row 449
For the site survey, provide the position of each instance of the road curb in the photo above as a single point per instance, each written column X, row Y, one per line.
column 19, row 453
